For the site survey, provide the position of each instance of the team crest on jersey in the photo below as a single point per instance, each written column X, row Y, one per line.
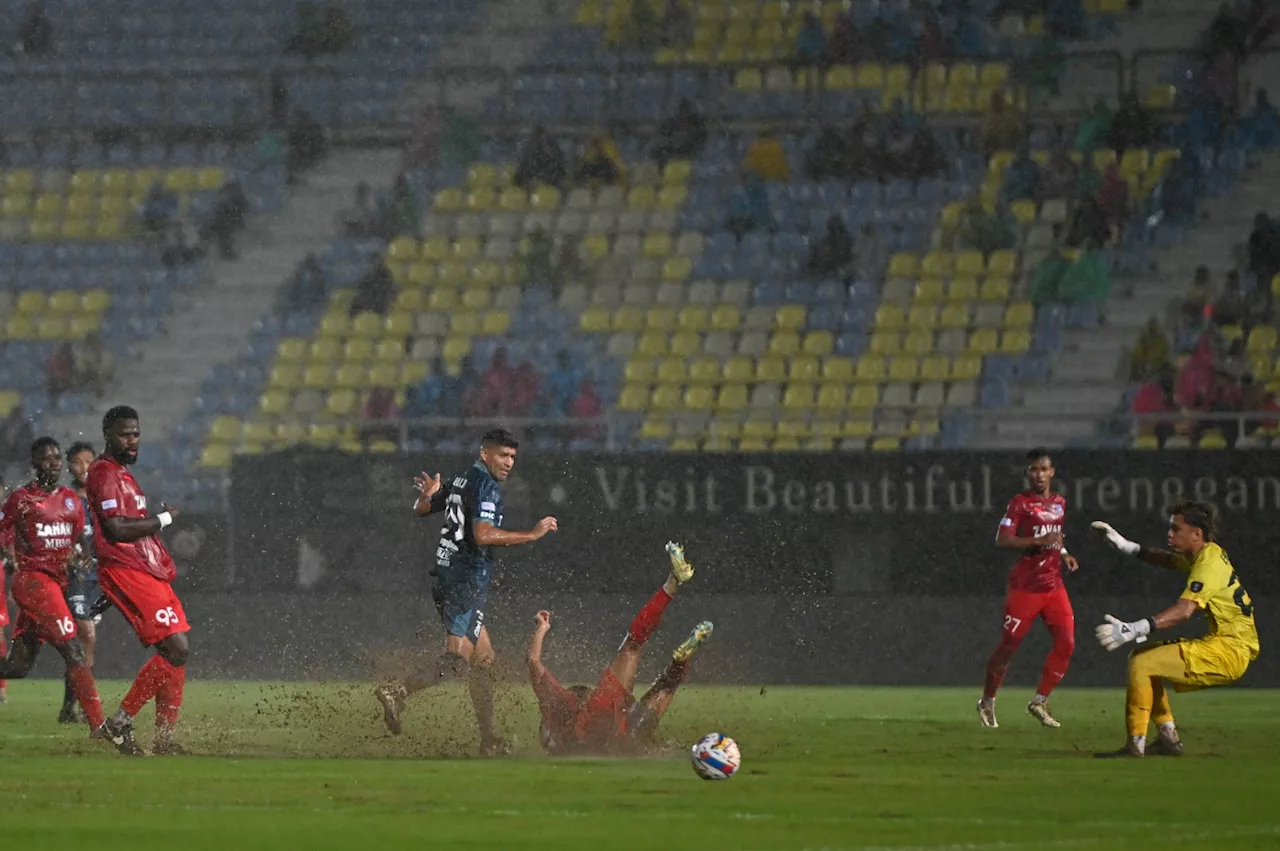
column 69, row 504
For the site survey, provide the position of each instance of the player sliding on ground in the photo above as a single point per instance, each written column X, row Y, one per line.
column 1032, row 526
column 47, row 521
column 472, row 506
column 608, row 719
column 1220, row 657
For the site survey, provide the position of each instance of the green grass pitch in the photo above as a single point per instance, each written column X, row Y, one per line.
column 310, row 767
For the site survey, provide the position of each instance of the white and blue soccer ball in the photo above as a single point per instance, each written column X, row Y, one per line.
column 716, row 757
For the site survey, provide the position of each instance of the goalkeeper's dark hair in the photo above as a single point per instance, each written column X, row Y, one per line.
column 1198, row 514
column 1036, row 454
column 499, row 437
column 115, row 415
column 80, row 446
column 41, row 443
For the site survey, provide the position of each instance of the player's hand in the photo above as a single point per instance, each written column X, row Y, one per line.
column 542, row 621
column 1114, row 539
column 1116, row 632
column 1070, row 562
column 1051, row 539
column 426, row 485
column 173, row 512
column 545, row 525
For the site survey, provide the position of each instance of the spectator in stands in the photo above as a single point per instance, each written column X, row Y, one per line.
column 541, row 161
column 228, row 218
column 601, row 163
column 910, row 150
column 1150, row 354
column 93, row 364
column 402, row 213
column 1262, row 20
column 832, row 253
column 60, row 371
column 177, row 250
column 1228, row 32
column 766, row 158
column 1264, row 249
column 931, row 46
column 317, row 33
column 587, row 405
column 432, row 396
column 1088, row 223
column 978, row 229
column 1002, row 126
column 1155, row 396
column 749, row 207
column 1179, row 190
column 1059, row 176
column 811, row 43
column 1072, row 281
column 379, row 407
column 495, row 386
column 35, row 36
column 539, row 265
column 561, row 385
column 307, row 144
column 1113, row 200
column 1131, row 127
column 375, row 291
column 1262, row 126
column 830, row 158
column 1194, row 310
column 1095, row 130
column 336, row 33
column 305, row 291
column 1196, row 375
column 1044, row 65
column 1254, row 398
column 1022, row 178
column 677, row 25
column 16, row 436
column 158, row 209
column 1229, row 307
column 362, row 219
column 525, row 383
column 845, row 46
column 866, row 147
column 1234, row 362
column 681, row 136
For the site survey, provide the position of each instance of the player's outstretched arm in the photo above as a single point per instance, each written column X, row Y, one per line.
column 125, row 530
column 1121, row 544
column 537, row 672
column 1115, row 633
column 488, row 535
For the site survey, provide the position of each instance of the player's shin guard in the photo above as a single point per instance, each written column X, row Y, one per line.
column 646, row 621
column 998, row 666
column 480, row 686
column 80, row 678
column 147, row 685
column 169, row 701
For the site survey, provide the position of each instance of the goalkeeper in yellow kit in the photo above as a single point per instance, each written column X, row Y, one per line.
column 1219, row 657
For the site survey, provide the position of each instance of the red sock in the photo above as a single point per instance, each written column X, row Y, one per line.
column 150, row 680
column 647, row 619
column 169, row 700
column 86, row 691
column 4, row 648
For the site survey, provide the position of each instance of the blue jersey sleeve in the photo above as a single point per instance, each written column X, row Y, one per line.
column 488, row 505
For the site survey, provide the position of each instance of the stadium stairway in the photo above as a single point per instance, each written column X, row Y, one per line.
column 507, row 36
column 215, row 326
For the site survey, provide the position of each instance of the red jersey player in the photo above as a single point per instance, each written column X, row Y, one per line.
column 6, row 567
column 134, row 572
column 607, row 718
column 47, row 522
column 1032, row 525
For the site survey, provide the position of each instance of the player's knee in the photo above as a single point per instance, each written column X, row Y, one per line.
column 72, row 652
column 174, row 650
column 1064, row 644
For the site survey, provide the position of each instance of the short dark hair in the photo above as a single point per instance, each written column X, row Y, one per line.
column 1036, row 454
column 81, row 446
column 116, row 414
column 42, row 442
column 499, row 437
column 1198, row 514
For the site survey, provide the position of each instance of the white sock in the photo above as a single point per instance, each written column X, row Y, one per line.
column 1140, row 743
column 987, row 701
column 1040, row 698
column 1167, row 730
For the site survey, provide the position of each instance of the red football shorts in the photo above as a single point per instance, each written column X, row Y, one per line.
column 603, row 717
column 4, row 605
column 1021, row 608
column 42, row 608
column 148, row 604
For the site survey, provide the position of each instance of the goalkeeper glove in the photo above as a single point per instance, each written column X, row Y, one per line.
column 1116, row 632
column 1115, row 540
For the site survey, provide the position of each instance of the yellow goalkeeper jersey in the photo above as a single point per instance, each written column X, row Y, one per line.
column 1213, row 585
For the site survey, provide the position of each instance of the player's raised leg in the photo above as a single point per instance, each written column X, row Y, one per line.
column 1061, row 622
column 1020, row 610
column 645, row 623
column 643, row 718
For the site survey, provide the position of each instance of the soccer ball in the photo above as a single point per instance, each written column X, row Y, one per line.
column 716, row 757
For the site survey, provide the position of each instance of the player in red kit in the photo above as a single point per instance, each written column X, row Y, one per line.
column 6, row 567
column 47, row 523
column 1032, row 525
column 134, row 572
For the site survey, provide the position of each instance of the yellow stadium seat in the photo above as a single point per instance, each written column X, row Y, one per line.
column 443, row 298
column 639, row 371
column 784, row 343
column 476, row 299
column 672, row 370
column 804, row 369
column 595, row 320
column 335, row 325
column 937, row 263
column 403, row 249
column 642, row 198
column 456, row 348
column 864, row 396
column 819, row 343
column 465, row 248
column 771, row 368
column 954, row 315
column 342, row 402
column 325, row 350
column 225, row 429
column 390, row 350
column 495, row 323
column 1019, row 314
column 21, row 327
column 693, row 318
column 32, row 301
column 738, row 369
column 661, row 318
column 76, row 230
column 748, row 80
column 656, row 429
column 837, row 369
column 798, row 397
column 634, row 397
column 628, row 318
column 285, row 376
column 274, row 403
column 317, row 376
column 291, row 350
column 1002, row 263
column 677, row 268
column 699, row 398
column 666, row 397
column 677, row 172
column 904, row 265
column 180, row 180
column 885, row 342
column 889, row 317
column 653, row 343
column 1262, row 339
column 966, row 368
column 705, row 370
column 984, row 341
column 214, row 456
column 366, row 324
column 727, row 317
column 871, row 368
column 398, row 324
column 672, row 197
column 994, row 289
column 970, row 263
column 95, row 301
column 732, row 397
column 918, row 343
column 789, row 317
column 450, row 200
column 922, row 316
column 656, row 245
column 904, row 368
column 464, row 323
column 358, row 349
column 385, row 375
column 82, row 325
column 929, row 290
column 1212, row 439
column 1015, row 341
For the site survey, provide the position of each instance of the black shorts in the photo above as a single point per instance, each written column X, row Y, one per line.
column 83, row 595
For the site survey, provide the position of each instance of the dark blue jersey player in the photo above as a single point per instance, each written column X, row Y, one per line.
column 83, row 596
column 471, row 503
